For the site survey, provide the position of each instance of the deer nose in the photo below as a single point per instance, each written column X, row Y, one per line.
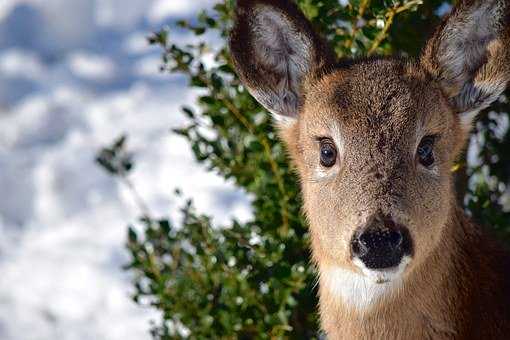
column 381, row 245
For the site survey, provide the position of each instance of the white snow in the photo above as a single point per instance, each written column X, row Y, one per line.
column 73, row 76
column 162, row 8
column 91, row 66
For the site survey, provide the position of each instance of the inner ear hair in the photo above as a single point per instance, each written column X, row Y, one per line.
column 274, row 49
column 469, row 55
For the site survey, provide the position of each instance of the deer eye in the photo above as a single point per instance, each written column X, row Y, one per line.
column 328, row 153
column 425, row 152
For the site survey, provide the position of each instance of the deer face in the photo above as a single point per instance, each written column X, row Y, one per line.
column 374, row 143
column 373, row 139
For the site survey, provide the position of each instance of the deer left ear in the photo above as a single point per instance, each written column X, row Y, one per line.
column 274, row 49
column 469, row 55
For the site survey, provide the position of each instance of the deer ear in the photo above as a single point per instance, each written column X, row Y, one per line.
column 469, row 55
column 274, row 49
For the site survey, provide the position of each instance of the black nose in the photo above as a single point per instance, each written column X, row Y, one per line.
column 380, row 245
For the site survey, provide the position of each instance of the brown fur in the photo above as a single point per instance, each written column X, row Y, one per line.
column 377, row 110
column 460, row 292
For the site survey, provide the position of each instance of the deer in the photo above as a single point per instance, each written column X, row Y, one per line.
column 373, row 141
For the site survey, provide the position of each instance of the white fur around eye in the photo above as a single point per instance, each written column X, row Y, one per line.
column 420, row 134
column 338, row 139
column 322, row 173
column 434, row 170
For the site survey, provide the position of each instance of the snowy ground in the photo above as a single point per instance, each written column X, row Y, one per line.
column 74, row 74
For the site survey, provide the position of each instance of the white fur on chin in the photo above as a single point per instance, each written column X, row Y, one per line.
column 362, row 291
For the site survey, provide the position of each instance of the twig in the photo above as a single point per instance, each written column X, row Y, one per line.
column 389, row 21
column 139, row 201
column 362, row 8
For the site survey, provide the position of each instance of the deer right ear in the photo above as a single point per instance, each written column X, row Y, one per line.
column 274, row 49
column 469, row 55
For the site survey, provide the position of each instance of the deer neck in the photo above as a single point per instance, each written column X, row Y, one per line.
column 424, row 302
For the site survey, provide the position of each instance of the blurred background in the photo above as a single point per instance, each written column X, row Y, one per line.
column 144, row 193
column 74, row 74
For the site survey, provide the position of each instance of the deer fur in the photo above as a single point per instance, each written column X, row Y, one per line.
column 455, row 284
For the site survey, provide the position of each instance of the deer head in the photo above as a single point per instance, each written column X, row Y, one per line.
column 373, row 139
